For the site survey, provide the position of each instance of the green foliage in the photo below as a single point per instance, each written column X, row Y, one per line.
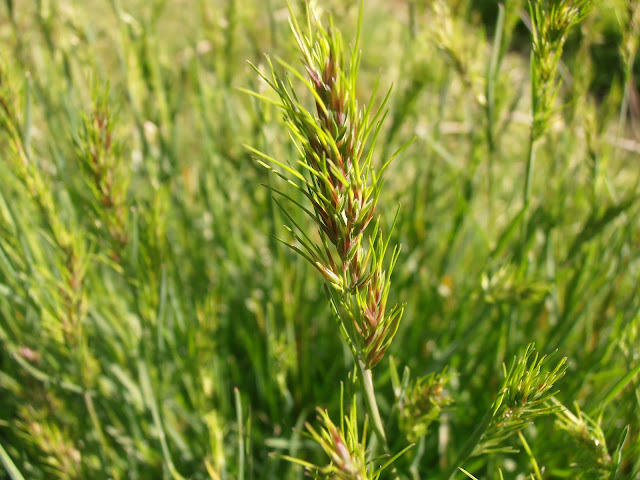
column 345, row 447
column 589, row 440
column 152, row 326
column 551, row 22
column 420, row 403
column 525, row 395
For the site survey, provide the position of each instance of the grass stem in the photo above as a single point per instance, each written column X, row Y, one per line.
column 470, row 445
column 366, row 382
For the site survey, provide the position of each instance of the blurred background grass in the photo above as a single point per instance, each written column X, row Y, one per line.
column 150, row 324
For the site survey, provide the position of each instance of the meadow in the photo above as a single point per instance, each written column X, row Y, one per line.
column 257, row 240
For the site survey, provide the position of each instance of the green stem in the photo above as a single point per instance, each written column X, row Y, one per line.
column 534, row 463
column 415, row 465
column 9, row 466
column 490, row 106
column 366, row 382
column 471, row 443
column 238, row 400
column 97, row 426
column 527, row 178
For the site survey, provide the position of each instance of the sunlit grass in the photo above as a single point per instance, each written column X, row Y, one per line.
column 152, row 326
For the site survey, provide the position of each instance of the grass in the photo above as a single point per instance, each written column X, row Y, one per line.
column 153, row 326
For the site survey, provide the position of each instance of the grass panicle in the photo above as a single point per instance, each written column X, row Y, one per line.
column 337, row 175
column 341, row 183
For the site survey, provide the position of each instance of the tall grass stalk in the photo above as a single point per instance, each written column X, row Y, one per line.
column 337, row 175
column 551, row 23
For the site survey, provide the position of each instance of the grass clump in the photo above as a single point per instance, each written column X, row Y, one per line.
column 153, row 326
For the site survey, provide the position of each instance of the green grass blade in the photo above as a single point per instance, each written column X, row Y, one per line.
column 9, row 466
